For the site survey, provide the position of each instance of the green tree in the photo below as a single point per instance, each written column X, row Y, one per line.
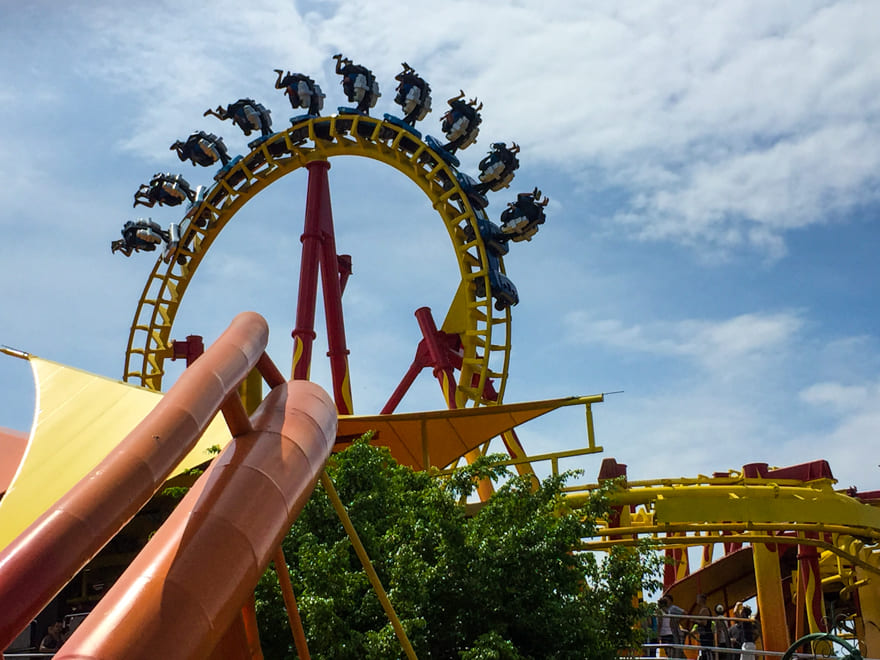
column 504, row 584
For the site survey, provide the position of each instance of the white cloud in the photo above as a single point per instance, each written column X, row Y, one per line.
column 839, row 398
column 726, row 125
column 721, row 346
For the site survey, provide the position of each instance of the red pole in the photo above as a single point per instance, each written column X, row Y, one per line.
column 304, row 333
column 439, row 357
column 332, row 289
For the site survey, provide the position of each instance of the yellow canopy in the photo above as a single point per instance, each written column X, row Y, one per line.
column 80, row 418
column 440, row 437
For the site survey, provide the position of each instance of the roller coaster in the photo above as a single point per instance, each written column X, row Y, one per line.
column 805, row 551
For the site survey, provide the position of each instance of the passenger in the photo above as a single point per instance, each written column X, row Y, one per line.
column 141, row 235
column 358, row 83
column 413, row 95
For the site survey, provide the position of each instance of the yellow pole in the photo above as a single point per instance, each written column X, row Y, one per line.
column 768, row 577
column 368, row 566
column 869, row 604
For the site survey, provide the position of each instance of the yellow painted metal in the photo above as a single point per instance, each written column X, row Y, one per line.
column 759, row 501
column 251, row 391
column 446, row 435
column 768, row 578
column 373, row 577
column 456, row 321
column 765, row 513
column 869, row 602
column 485, row 332
column 80, row 418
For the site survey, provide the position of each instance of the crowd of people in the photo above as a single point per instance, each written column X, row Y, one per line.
column 671, row 628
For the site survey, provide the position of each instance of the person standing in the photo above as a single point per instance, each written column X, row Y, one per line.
column 748, row 634
column 722, row 633
column 703, row 628
column 54, row 638
column 669, row 630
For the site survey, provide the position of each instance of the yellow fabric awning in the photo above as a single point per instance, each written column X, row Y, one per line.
column 80, row 418
column 442, row 436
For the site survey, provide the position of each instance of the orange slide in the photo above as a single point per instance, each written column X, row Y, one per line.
column 179, row 597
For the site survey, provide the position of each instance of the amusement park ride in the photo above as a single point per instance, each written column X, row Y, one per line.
column 806, row 552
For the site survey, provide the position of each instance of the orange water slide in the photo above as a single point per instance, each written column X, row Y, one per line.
column 41, row 560
column 184, row 592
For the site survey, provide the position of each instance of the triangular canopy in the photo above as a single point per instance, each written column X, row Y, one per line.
column 440, row 437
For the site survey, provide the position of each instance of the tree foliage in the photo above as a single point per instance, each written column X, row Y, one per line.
column 504, row 584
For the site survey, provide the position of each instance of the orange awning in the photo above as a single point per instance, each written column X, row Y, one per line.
column 440, row 437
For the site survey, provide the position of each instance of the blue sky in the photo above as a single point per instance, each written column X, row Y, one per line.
column 710, row 246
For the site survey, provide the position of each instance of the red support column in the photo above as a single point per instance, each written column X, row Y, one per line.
column 304, row 333
column 319, row 253
column 443, row 371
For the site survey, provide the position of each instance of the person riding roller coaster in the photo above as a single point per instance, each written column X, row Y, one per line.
column 497, row 169
column 521, row 218
column 461, row 123
column 202, row 148
column 358, row 83
column 141, row 235
column 413, row 95
column 164, row 189
column 302, row 91
column 247, row 114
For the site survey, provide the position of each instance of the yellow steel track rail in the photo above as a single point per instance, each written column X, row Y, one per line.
column 486, row 339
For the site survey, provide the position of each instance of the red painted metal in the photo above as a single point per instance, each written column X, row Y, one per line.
column 189, row 349
column 37, row 564
column 185, row 590
column 304, row 332
column 437, row 349
column 319, row 254
column 439, row 355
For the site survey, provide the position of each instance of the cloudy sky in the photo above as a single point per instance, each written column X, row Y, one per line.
column 714, row 171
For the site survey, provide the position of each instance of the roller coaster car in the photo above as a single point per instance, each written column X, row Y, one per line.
column 502, row 289
column 223, row 170
column 247, row 114
column 197, row 198
column 173, row 241
column 495, row 240
column 397, row 121
column 469, row 185
column 448, row 156
column 202, row 148
column 179, row 236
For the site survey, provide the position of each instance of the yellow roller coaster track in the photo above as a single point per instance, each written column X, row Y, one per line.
column 703, row 511
column 485, row 333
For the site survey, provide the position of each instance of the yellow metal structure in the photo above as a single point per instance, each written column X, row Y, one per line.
column 768, row 514
column 484, row 331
